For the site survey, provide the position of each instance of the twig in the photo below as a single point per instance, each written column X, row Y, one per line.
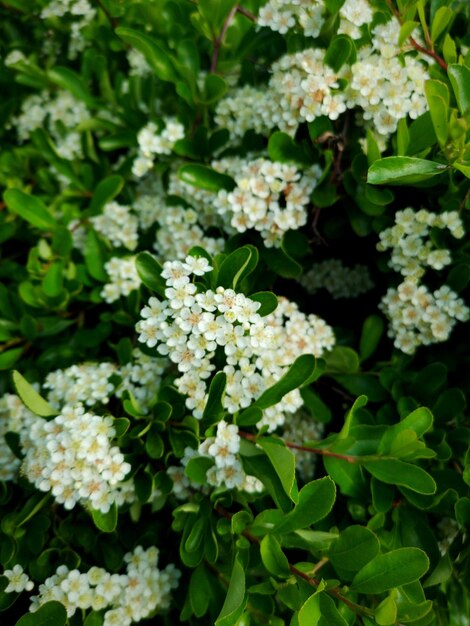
column 428, row 51
column 218, row 41
column 112, row 20
column 320, row 451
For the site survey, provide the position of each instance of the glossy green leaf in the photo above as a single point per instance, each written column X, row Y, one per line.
column 283, row 462
column 214, row 409
column 437, row 96
column 315, row 501
column 95, row 256
column 283, row 149
column 268, row 302
column 30, row 397
column 105, row 191
column 299, row 372
column 9, row 358
column 320, row 610
column 204, row 177
column 342, row 360
column 339, row 52
column 235, row 599
column 106, row 522
column 149, row 271
column 386, row 613
column 402, row 170
column 393, row 569
column 459, row 76
column 406, row 30
column 371, row 334
column 355, row 547
column 238, row 265
column 29, row 208
column 49, row 614
column 395, row 472
column 158, row 59
column 274, row 559
column 442, row 18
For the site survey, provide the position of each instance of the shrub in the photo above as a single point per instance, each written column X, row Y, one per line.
column 235, row 287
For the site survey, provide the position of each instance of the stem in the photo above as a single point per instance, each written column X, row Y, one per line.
column 320, row 451
column 428, row 51
column 112, row 20
column 218, row 41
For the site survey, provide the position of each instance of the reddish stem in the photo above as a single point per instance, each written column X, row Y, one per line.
column 218, row 41
column 320, row 451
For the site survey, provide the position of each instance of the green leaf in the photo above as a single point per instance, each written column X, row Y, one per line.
column 459, row 76
column 355, row 547
column 95, row 256
column 341, row 359
column 149, row 271
column 94, row 619
column 274, row 559
column 52, row 284
column 405, row 31
column 29, row 208
column 215, row 88
column 196, row 469
column 249, row 417
column 158, row 59
column 442, row 18
column 419, row 422
column 396, row 472
column 30, row 397
column 268, row 302
column 280, row 262
column 235, row 598
column 105, row 191
column 67, row 79
column 49, row 614
column 386, row 613
column 214, row 409
column 283, row 462
column 204, row 177
column 402, row 170
column 299, row 372
column 449, row 50
column 339, row 52
column 105, row 522
column 154, row 443
column 238, row 265
column 437, row 96
column 393, row 569
column 283, row 149
column 199, row 591
column 372, row 331
column 315, row 501
column 9, row 358
column 320, row 610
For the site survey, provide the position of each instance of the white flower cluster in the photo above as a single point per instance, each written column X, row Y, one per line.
column 94, row 383
column 153, row 141
column 75, row 8
column 269, row 197
column 123, row 278
column 301, row 428
column 86, row 382
column 13, row 417
column 227, row 471
column 13, row 57
column 340, row 281
column 354, row 14
column 303, row 87
column 418, row 316
column 190, row 326
column 73, row 457
column 117, row 224
column 285, row 15
column 61, row 115
column 18, row 580
column 409, row 239
column 127, row 598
